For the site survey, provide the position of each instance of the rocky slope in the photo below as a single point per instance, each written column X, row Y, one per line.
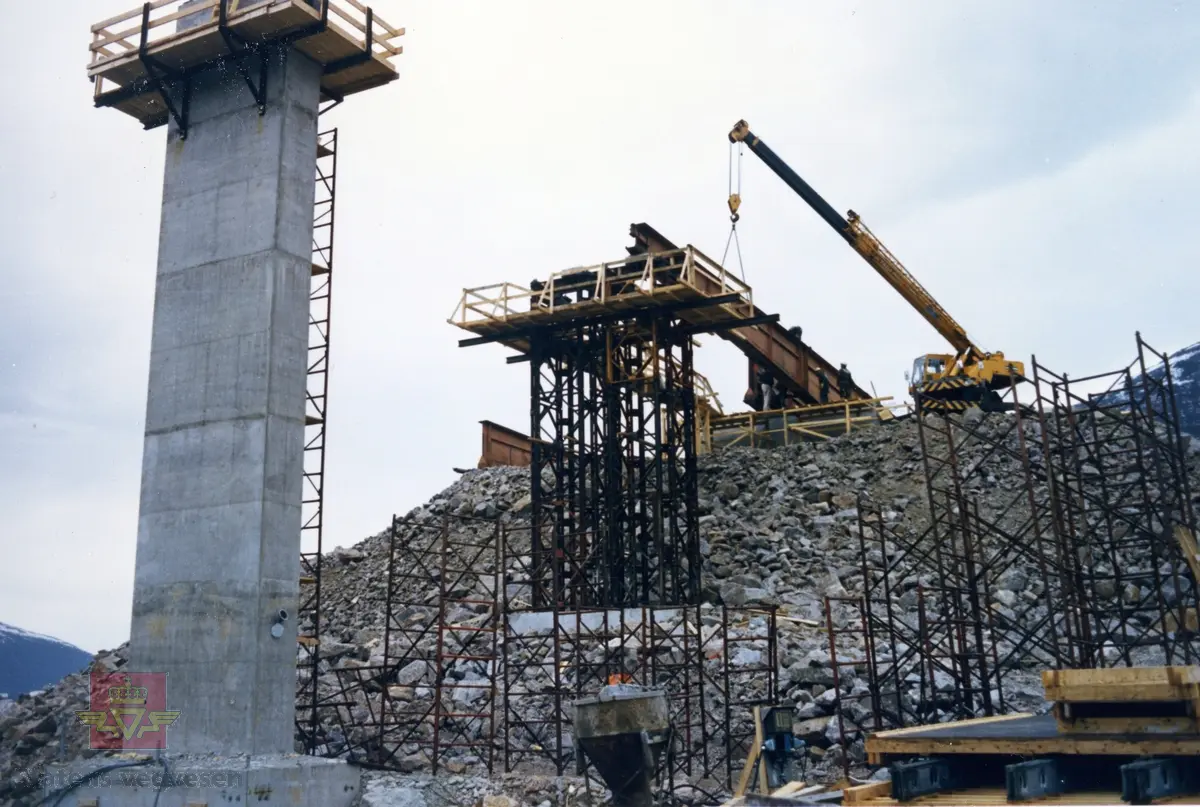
column 30, row 661
column 32, row 729
column 777, row 526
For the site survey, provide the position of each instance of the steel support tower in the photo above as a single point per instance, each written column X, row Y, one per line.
column 612, row 408
column 613, row 419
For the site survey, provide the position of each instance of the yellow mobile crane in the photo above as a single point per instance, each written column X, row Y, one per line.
column 970, row 376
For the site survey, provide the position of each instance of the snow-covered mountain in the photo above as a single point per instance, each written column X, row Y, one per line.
column 1185, row 373
column 1185, row 381
column 31, row 661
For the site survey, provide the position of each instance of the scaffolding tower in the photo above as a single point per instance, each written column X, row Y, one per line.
column 316, row 394
column 612, row 419
column 1088, row 561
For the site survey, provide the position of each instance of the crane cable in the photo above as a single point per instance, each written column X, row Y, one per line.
column 735, row 201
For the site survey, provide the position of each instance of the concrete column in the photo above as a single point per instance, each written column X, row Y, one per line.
column 219, row 526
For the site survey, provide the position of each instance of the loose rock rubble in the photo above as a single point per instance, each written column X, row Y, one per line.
column 778, row 527
column 41, row 727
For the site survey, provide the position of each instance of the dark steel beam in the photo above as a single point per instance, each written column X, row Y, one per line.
column 715, row 327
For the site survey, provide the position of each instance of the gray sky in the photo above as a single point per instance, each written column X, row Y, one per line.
column 1033, row 164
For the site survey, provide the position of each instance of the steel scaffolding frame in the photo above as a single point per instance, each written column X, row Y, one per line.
column 315, row 398
column 471, row 679
column 427, row 699
column 1120, row 482
column 981, row 541
column 613, row 471
column 714, row 663
column 1090, row 529
column 467, row 654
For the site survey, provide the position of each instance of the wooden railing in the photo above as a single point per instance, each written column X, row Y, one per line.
column 124, row 34
column 645, row 275
column 803, row 423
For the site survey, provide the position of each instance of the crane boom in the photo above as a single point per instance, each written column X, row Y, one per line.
column 864, row 242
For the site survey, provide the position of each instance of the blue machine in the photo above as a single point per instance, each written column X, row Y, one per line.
column 780, row 748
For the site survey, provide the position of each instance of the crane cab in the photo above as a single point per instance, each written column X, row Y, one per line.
column 946, row 381
column 927, row 368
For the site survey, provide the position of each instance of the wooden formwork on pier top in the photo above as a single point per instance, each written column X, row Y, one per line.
column 135, row 55
column 686, row 280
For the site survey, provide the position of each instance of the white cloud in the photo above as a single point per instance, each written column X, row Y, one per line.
column 523, row 138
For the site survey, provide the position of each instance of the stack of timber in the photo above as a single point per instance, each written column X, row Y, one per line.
column 1122, row 735
column 1134, row 700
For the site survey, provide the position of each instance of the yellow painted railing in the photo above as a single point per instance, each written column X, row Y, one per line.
column 643, row 275
column 786, row 426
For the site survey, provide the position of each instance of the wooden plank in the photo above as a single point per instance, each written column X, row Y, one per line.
column 1120, row 693
column 788, row 789
column 1135, row 676
column 764, row 785
column 975, row 721
column 752, row 757
column 185, row 12
column 987, row 796
column 1191, row 553
column 882, row 749
column 1129, row 725
column 860, row 794
column 1123, row 684
column 129, row 15
column 378, row 21
column 376, row 40
column 119, row 36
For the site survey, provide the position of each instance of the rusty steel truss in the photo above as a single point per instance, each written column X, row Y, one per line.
column 469, row 676
column 614, row 500
column 1079, row 562
column 1123, row 508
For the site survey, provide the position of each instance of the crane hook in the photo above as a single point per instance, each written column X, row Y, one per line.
column 735, row 201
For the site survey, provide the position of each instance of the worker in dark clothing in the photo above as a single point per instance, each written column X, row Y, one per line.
column 766, row 385
column 579, row 280
column 535, row 286
column 845, row 382
column 824, row 383
column 780, row 394
column 796, row 332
